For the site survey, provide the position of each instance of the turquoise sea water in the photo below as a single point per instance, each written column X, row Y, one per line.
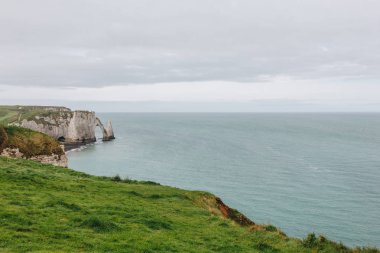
column 300, row 172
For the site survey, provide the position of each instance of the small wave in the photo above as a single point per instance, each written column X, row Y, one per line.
column 83, row 147
column 313, row 167
column 77, row 149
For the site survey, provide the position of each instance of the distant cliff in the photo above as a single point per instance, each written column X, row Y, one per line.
column 69, row 127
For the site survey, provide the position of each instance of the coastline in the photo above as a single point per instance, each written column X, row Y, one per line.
column 258, row 164
column 83, row 145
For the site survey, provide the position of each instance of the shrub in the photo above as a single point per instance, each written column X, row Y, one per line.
column 149, row 183
column 128, row 180
column 3, row 138
column 310, row 241
column 271, row 228
column 32, row 143
column 116, row 178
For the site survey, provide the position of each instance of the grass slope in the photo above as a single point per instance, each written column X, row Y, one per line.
column 48, row 209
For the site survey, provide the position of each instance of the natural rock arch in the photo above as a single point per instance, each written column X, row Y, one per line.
column 107, row 131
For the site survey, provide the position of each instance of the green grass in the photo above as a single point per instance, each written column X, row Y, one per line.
column 15, row 114
column 50, row 209
column 8, row 115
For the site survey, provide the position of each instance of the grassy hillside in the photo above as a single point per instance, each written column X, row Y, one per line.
column 15, row 114
column 51, row 209
column 29, row 142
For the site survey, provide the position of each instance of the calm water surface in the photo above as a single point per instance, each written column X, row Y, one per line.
column 300, row 172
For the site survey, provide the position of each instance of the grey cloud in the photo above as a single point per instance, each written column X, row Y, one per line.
column 68, row 43
column 248, row 107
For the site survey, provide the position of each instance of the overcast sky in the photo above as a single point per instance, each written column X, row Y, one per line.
column 196, row 55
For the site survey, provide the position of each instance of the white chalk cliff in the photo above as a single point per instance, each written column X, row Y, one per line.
column 69, row 126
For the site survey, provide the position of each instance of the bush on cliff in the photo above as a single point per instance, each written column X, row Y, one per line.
column 3, row 138
column 31, row 143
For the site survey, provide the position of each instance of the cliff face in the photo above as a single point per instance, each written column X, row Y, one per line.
column 67, row 126
column 81, row 127
column 70, row 127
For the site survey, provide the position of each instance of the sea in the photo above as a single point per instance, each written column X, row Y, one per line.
column 302, row 172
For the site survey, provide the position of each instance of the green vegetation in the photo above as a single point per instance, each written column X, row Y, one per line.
column 50, row 209
column 29, row 142
column 8, row 114
column 15, row 114
column 3, row 138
